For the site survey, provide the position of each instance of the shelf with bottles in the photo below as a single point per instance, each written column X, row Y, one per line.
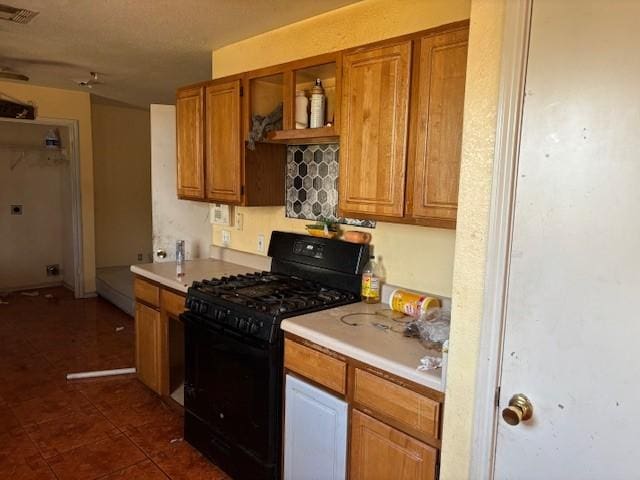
column 300, row 79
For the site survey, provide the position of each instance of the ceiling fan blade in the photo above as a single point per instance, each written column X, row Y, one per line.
column 4, row 60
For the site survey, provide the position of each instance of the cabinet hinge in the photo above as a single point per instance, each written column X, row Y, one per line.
column 496, row 400
column 242, row 91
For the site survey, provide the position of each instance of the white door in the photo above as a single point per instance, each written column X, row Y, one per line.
column 315, row 438
column 173, row 219
column 572, row 324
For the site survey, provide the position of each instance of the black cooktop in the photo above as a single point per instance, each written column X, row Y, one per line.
column 272, row 293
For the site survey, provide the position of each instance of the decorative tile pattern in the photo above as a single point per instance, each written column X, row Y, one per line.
column 312, row 184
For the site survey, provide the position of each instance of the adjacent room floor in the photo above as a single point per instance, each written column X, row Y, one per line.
column 93, row 429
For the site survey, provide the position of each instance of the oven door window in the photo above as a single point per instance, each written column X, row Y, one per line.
column 232, row 386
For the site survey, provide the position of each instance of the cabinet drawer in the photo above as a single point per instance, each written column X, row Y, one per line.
column 172, row 303
column 397, row 403
column 316, row 366
column 147, row 292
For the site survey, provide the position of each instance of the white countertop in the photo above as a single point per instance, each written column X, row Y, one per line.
column 206, row 268
column 387, row 350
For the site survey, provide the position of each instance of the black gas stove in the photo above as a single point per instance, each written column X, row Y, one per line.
column 254, row 304
column 234, row 347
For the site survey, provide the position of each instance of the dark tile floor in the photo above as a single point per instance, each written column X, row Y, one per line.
column 112, row 428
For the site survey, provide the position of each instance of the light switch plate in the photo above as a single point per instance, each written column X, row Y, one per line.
column 239, row 221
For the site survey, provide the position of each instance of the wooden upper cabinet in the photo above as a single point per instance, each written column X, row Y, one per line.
column 379, row 451
column 438, row 102
column 223, row 146
column 190, row 142
column 374, row 124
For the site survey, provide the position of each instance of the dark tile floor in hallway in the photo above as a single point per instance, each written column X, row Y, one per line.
column 51, row 428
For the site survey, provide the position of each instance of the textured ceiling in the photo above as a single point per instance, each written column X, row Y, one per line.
column 142, row 49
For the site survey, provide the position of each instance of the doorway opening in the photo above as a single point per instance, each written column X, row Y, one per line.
column 40, row 205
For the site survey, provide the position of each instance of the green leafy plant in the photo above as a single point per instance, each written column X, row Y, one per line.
column 331, row 225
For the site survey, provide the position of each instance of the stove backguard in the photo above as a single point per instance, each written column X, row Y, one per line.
column 334, row 263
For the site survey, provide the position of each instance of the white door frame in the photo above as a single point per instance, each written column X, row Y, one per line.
column 515, row 51
column 76, row 196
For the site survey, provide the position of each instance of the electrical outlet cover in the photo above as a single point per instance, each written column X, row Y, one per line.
column 226, row 238
column 260, row 243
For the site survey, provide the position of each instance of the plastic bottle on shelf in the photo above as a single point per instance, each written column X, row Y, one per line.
column 372, row 278
column 317, row 105
column 302, row 107
column 52, row 140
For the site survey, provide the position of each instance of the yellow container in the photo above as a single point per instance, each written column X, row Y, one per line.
column 411, row 303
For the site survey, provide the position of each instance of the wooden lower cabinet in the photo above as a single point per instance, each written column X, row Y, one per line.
column 159, row 336
column 394, row 425
column 380, row 452
column 148, row 338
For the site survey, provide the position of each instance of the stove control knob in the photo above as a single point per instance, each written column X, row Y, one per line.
column 241, row 323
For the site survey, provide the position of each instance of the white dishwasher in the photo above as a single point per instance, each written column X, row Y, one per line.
column 315, row 433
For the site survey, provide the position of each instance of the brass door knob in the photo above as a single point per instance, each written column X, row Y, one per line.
column 519, row 410
column 161, row 253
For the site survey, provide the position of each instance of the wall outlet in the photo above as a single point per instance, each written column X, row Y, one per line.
column 239, row 221
column 53, row 270
column 260, row 245
column 226, row 238
column 15, row 209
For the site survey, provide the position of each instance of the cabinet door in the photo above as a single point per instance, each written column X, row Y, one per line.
column 148, row 346
column 380, row 452
column 190, row 142
column 315, row 438
column 224, row 142
column 375, row 103
column 434, row 167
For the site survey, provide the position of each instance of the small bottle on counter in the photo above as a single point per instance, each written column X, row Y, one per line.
column 317, row 105
column 180, row 258
column 372, row 278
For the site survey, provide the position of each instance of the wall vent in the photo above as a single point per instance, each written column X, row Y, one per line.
column 16, row 15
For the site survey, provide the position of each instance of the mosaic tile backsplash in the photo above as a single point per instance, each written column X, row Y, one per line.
column 312, row 184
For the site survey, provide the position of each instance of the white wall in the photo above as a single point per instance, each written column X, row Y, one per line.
column 172, row 218
column 122, row 182
column 38, row 180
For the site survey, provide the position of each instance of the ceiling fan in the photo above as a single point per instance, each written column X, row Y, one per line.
column 8, row 74
column 90, row 82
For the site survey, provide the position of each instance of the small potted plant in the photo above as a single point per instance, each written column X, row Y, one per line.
column 323, row 228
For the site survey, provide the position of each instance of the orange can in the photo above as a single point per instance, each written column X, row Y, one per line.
column 410, row 303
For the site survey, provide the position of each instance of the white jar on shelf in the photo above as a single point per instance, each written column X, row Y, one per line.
column 302, row 113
